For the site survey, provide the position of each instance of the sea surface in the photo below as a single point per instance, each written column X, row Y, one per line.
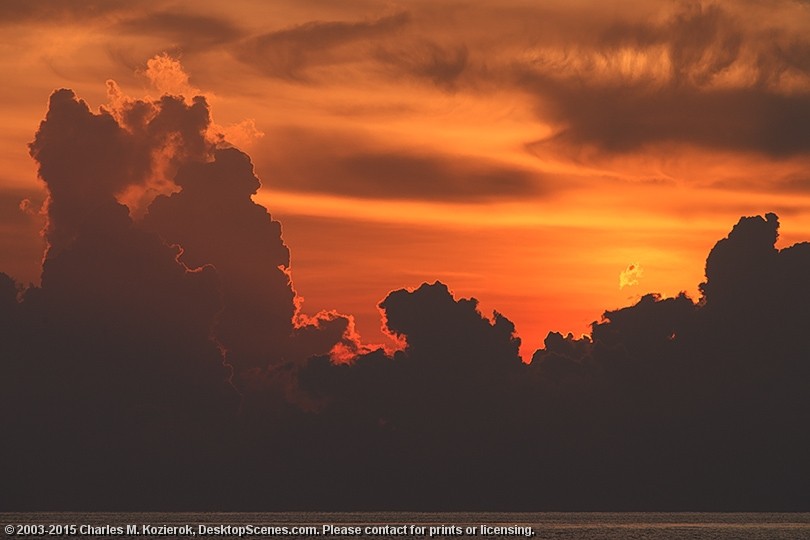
column 408, row 525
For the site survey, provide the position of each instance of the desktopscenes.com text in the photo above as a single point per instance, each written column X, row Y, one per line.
column 247, row 530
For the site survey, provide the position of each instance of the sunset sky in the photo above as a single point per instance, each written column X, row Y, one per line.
column 240, row 242
column 552, row 159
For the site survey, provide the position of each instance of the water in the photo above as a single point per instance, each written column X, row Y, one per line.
column 408, row 525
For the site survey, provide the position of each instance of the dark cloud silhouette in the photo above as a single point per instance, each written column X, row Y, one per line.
column 8, row 299
column 20, row 242
column 170, row 353
column 132, row 343
column 426, row 417
column 113, row 352
column 708, row 391
column 668, row 404
column 67, row 147
column 89, row 159
column 290, row 52
column 740, row 264
column 438, row 327
column 215, row 221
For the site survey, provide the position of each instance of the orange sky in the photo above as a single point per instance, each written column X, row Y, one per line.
column 524, row 153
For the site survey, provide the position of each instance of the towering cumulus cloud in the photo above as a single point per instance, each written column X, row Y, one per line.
column 112, row 354
column 141, row 329
column 215, row 222
column 166, row 349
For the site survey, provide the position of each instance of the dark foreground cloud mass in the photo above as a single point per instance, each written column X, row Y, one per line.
column 164, row 363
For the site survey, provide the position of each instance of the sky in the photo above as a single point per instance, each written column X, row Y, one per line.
column 526, row 155
column 456, row 256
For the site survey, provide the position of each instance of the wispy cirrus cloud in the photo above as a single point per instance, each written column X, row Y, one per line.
column 290, row 52
column 700, row 78
column 187, row 32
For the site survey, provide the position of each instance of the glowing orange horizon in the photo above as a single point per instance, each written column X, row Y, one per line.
column 405, row 149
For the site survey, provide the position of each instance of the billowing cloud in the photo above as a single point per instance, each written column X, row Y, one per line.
column 215, row 222
column 116, row 343
column 20, row 242
column 696, row 398
column 168, row 76
column 184, row 326
column 166, row 344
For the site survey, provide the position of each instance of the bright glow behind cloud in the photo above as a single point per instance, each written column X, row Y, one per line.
column 630, row 275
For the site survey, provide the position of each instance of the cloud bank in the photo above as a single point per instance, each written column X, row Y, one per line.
column 167, row 348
